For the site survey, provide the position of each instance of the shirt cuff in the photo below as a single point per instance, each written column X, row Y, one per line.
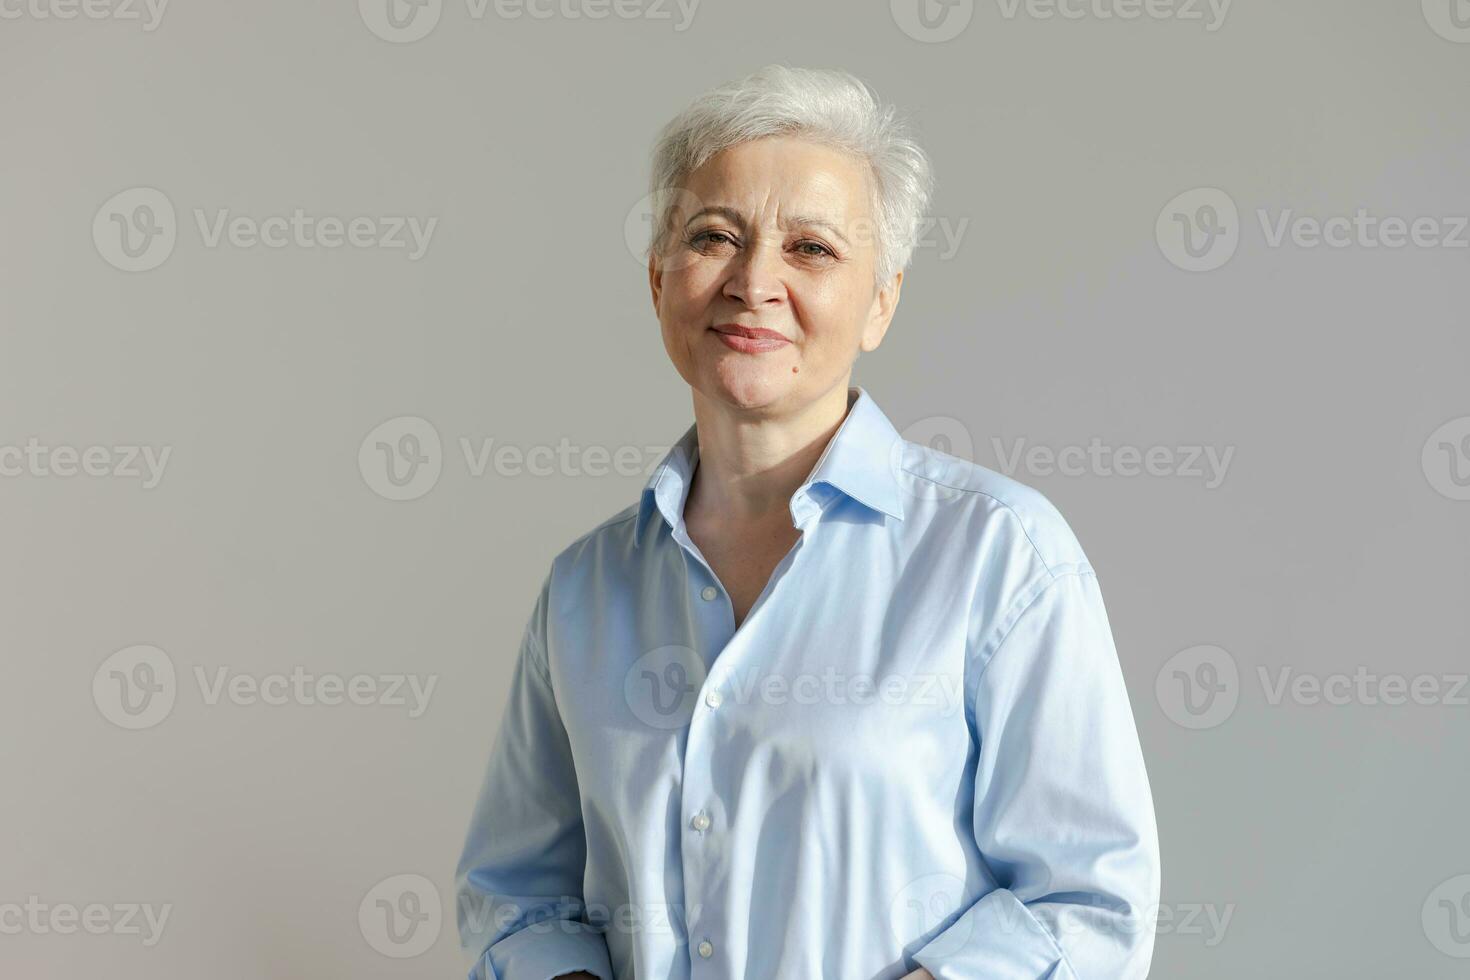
column 533, row 954
column 996, row 938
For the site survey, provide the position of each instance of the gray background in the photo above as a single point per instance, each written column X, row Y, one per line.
column 1332, row 835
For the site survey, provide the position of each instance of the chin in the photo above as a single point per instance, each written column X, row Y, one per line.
column 749, row 386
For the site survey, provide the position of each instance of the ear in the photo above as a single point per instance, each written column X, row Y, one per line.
column 655, row 278
column 880, row 314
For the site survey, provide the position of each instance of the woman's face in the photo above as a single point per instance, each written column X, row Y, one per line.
column 775, row 233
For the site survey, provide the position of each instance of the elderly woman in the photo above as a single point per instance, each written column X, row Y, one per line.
column 823, row 702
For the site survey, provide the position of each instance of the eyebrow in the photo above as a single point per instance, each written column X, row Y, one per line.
column 735, row 217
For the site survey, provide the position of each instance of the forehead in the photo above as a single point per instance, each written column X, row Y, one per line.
column 775, row 175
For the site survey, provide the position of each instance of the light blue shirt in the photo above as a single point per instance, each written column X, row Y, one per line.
column 916, row 750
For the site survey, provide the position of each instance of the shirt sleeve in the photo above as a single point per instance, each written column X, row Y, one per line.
column 519, row 902
column 1063, row 813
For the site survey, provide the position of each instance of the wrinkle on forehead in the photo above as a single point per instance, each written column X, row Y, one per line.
column 770, row 188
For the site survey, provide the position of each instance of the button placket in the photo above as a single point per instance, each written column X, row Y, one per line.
column 704, row 868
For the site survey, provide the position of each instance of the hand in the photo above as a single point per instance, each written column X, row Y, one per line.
column 919, row 974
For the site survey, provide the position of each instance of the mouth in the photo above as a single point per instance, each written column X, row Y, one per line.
column 749, row 340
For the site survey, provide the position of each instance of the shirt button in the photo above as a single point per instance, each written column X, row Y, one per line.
column 709, row 592
column 706, row 949
column 700, row 821
column 713, row 699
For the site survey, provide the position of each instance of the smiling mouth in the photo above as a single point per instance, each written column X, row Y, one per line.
column 749, row 340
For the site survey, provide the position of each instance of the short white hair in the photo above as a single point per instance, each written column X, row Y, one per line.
column 826, row 106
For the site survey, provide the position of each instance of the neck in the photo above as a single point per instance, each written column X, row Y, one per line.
column 751, row 463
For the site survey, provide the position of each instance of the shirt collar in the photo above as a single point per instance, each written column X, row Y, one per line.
column 861, row 461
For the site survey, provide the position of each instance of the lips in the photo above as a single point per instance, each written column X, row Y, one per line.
column 754, row 333
column 749, row 340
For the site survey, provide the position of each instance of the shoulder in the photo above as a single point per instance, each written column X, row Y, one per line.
column 612, row 533
column 588, row 555
column 1010, row 520
column 1021, row 549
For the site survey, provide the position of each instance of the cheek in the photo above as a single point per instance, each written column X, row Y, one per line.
column 832, row 314
column 687, row 292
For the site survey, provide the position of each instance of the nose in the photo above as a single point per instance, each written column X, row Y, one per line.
column 755, row 279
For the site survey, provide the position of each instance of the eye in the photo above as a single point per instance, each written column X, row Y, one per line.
column 710, row 237
column 817, row 249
